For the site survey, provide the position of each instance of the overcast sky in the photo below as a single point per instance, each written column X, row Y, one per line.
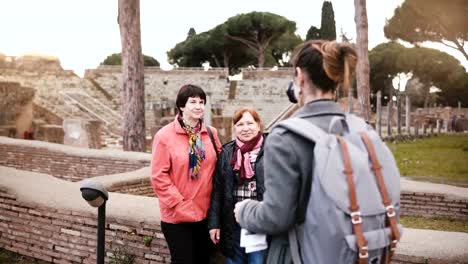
column 81, row 33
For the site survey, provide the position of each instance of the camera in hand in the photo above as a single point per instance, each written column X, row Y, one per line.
column 290, row 92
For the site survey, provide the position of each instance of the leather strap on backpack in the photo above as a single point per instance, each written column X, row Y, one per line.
column 356, row 218
column 386, row 200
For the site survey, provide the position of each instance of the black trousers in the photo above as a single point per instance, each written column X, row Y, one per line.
column 189, row 243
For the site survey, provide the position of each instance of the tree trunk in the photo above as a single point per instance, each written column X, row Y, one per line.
column 226, row 58
column 362, row 69
column 134, row 136
column 427, row 96
column 461, row 49
column 261, row 58
column 390, row 98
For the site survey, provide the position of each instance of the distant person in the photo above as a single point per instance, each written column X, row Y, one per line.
column 184, row 157
column 322, row 203
column 239, row 176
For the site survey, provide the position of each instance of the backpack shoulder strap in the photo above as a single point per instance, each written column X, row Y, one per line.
column 303, row 128
column 356, row 123
column 208, row 129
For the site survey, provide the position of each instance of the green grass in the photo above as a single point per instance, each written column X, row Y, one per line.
column 444, row 156
column 442, row 224
column 14, row 258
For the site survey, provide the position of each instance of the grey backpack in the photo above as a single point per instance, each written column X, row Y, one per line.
column 353, row 209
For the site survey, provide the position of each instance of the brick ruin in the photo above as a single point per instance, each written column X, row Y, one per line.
column 17, row 108
column 95, row 100
column 92, row 107
column 42, row 214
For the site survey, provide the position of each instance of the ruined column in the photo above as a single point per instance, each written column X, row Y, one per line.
column 389, row 117
column 408, row 116
column 399, row 115
column 378, row 122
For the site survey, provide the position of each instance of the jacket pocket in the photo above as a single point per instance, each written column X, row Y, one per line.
column 186, row 211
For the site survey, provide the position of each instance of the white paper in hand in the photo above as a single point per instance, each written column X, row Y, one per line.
column 252, row 242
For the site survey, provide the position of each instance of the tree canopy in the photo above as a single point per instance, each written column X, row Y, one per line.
column 327, row 28
column 116, row 59
column 430, row 66
column 262, row 39
column 257, row 31
column 417, row 21
column 313, row 33
column 384, row 62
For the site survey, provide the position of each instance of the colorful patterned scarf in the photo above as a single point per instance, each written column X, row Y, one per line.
column 196, row 149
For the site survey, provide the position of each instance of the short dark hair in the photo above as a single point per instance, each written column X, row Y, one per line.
column 186, row 91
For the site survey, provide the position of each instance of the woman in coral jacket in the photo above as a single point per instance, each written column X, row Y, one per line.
column 183, row 162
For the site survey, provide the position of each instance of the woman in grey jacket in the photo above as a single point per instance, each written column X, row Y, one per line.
column 319, row 68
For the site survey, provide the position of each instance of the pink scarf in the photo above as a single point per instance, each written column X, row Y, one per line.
column 242, row 157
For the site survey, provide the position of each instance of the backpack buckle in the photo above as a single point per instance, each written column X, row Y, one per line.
column 363, row 252
column 393, row 245
column 390, row 211
column 356, row 217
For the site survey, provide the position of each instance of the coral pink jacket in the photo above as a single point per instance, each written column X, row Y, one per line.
column 180, row 198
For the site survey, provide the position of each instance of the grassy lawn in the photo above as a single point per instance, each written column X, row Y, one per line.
column 442, row 224
column 14, row 258
column 444, row 156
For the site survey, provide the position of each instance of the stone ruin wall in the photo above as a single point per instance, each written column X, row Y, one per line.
column 16, row 106
column 64, row 162
column 262, row 89
column 68, row 235
column 62, row 95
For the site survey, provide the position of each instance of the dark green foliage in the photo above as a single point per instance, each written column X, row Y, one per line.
column 116, row 59
column 210, row 46
column 246, row 39
column 313, row 33
column 283, row 47
column 258, row 31
column 430, row 20
column 327, row 27
column 430, row 66
column 191, row 33
column 121, row 255
column 384, row 66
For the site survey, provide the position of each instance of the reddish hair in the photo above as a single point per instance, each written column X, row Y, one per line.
column 240, row 112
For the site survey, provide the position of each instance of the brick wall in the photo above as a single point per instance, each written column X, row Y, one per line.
column 65, row 236
column 58, row 161
column 433, row 205
column 142, row 187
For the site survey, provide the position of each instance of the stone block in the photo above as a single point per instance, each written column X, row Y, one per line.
column 50, row 133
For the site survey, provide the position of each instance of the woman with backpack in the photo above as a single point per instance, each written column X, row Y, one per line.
column 239, row 176
column 320, row 67
column 184, row 158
